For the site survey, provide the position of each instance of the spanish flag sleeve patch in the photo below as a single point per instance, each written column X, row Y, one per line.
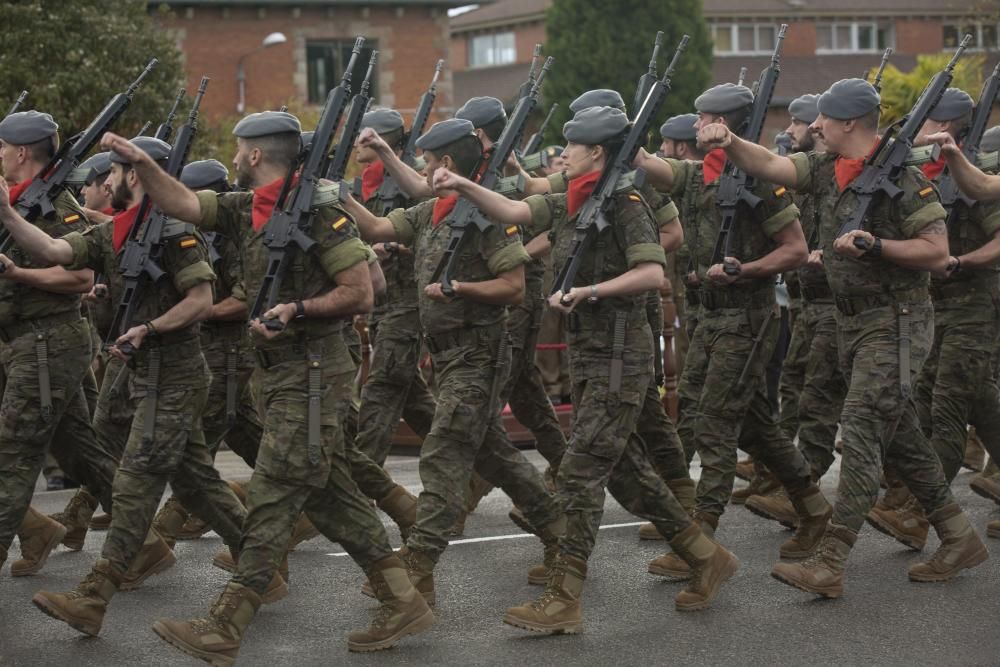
column 70, row 219
column 188, row 242
column 635, row 197
column 339, row 223
column 926, row 192
column 780, row 192
column 511, row 230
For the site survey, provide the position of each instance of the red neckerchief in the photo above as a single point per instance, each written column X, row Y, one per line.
column 579, row 189
column 442, row 207
column 122, row 226
column 371, row 179
column 933, row 169
column 847, row 169
column 484, row 162
column 108, row 211
column 264, row 199
column 713, row 164
column 17, row 190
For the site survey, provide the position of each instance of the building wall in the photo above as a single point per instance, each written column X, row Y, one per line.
column 213, row 38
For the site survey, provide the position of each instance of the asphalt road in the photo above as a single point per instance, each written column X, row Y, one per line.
column 883, row 619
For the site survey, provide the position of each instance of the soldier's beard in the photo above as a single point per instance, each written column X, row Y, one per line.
column 121, row 197
column 807, row 144
column 243, row 178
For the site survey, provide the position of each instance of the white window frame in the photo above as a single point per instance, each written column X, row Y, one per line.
column 854, row 26
column 734, row 28
column 979, row 25
column 494, row 49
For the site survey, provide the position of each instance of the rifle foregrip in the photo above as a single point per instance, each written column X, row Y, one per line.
column 730, row 269
column 862, row 244
column 273, row 324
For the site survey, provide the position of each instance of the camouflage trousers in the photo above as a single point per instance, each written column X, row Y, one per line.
column 469, row 370
column 291, row 476
column 793, row 371
column 689, row 393
column 166, row 444
column 242, row 430
column 660, row 437
column 879, row 425
column 28, row 428
column 823, row 388
column 957, row 385
column 525, row 391
column 605, row 450
column 731, row 413
column 395, row 388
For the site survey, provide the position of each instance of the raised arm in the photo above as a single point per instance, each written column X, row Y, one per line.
column 372, row 228
column 172, row 196
column 53, row 279
column 754, row 159
column 659, row 173
column 493, row 205
column 32, row 240
column 970, row 180
column 412, row 184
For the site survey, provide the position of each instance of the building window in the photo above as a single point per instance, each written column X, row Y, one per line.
column 491, row 50
column 325, row 63
column 853, row 37
column 744, row 38
column 984, row 35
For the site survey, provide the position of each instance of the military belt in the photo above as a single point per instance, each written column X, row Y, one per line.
column 460, row 337
column 960, row 288
column 296, row 351
column 585, row 318
column 855, row 305
column 738, row 298
column 693, row 296
column 222, row 331
column 18, row 329
column 817, row 292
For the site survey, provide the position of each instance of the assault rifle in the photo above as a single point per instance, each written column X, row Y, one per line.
column 735, row 185
column 466, row 215
column 348, row 135
column 883, row 168
column 18, row 102
column 144, row 129
column 649, row 79
column 527, row 86
column 535, row 140
column 140, row 260
column 166, row 128
column 593, row 216
column 287, row 227
column 877, row 83
column 947, row 188
column 389, row 191
column 37, row 199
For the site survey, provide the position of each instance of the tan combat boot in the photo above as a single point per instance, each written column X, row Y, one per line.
column 303, row 531
column 170, row 520
column 39, row 535
column 558, row 609
column 907, row 524
column 550, row 534
column 155, row 557
column 822, row 573
column 671, row 565
column 76, row 517
column 814, row 512
column 975, row 453
column 420, row 568
column 745, row 469
column 100, row 522
column 987, row 483
column 992, row 530
column 776, row 506
column 193, row 527
column 215, row 639
column 685, row 491
column 401, row 506
column 711, row 565
column 83, row 607
column 761, row 485
column 277, row 588
column 402, row 611
column 960, row 549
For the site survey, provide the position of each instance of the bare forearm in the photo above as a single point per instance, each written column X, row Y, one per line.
column 921, row 253
column 229, row 309
column 538, row 247
column 971, row 180
column 172, row 196
column 372, row 229
column 982, row 257
column 761, row 163
column 640, row 278
column 194, row 307
column 377, row 278
column 497, row 292
column 34, row 241
column 659, row 173
column 341, row 301
column 536, row 186
column 494, row 205
column 671, row 235
column 786, row 257
column 409, row 181
column 56, row 279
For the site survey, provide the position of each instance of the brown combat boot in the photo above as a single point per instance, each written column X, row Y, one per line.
column 814, row 512
column 975, row 453
column 402, row 612
column 170, row 520
column 420, row 568
column 987, row 483
column 992, row 530
column 549, row 535
column 557, row 610
column 906, row 524
column 100, row 522
column 83, row 607
column 671, row 565
column 960, row 549
column 39, row 535
column 401, row 506
column 711, row 565
column 685, row 491
column 776, row 506
column 76, row 517
column 822, row 573
column 745, row 469
column 215, row 639
column 277, row 588
column 303, row 531
column 155, row 557
column 761, row 485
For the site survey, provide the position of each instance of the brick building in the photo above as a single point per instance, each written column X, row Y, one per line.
column 213, row 34
column 827, row 40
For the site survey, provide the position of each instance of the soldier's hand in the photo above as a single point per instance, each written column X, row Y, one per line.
column 133, row 337
column 4, row 195
column 640, row 158
column 845, row 244
column 692, row 278
column 717, row 272
column 96, row 217
column 943, row 271
column 8, row 269
column 714, row 136
column 283, row 312
column 944, row 140
column 371, row 139
column 566, row 302
column 445, row 180
column 381, row 251
column 434, row 292
column 112, row 142
column 815, row 259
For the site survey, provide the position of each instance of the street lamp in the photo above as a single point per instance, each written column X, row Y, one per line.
column 273, row 39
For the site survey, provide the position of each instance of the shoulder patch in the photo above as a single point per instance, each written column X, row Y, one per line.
column 780, row 192
column 512, row 230
column 338, row 224
column 926, row 192
column 188, row 242
column 70, row 219
column 634, row 197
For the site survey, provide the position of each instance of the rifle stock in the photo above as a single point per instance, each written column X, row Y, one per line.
column 352, row 126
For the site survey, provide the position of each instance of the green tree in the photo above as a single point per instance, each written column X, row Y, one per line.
column 73, row 56
column 599, row 44
column 900, row 90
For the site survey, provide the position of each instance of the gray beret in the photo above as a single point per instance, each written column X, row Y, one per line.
column 804, row 108
column 955, row 103
column 595, row 125
column 552, row 151
column 848, row 98
column 680, row 128
column 991, row 140
column 382, row 121
column 602, row 97
column 96, row 166
column 307, row 138
column 265, row 123
column 724, row 98
column 27, row 127
column 155, row 148
column 200, row 174
column 482, row 111
column 445, row 132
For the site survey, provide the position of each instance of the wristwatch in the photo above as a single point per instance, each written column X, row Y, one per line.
column 875, row 250
column 593, row 294
column 300, row 310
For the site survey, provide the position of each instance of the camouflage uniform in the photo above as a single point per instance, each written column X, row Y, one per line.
column 604, row 448
column 44, row 337
column 874, row 300
column 730, row 413
column 469, row 347
column 308, row 357
column 168, row 388
column 957, row 384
